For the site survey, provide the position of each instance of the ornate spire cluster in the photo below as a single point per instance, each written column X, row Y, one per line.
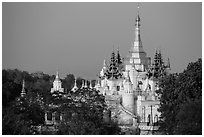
column 158, row 66
column 115, row 66
column 85, row 84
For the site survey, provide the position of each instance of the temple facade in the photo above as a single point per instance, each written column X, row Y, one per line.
column 129, row 84
column 54, row 117
column 57, row 85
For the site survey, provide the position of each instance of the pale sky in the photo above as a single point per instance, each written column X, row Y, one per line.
column 76, row 37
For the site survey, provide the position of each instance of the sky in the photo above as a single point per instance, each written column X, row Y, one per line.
column 75, row 38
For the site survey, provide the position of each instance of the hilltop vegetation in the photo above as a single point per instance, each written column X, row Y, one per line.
column 181, row 101
column 83, row 110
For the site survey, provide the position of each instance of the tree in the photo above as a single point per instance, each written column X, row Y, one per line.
column 190, row 118
column 68, row 82
column 19, row 118
column 83, row 114
column 168, row 103
column 11, row 85
column 14, row 124
column 19, row 114
column 181, row 101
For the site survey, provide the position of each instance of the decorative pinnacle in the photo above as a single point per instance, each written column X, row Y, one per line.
column 82, row 85
column 23, row 89
column 57, row 76
column 85, row 84
column 128, row 76
column 90, row 85
column 75, row 84
column 138, row 11
column 104, row 63
column 23, row 85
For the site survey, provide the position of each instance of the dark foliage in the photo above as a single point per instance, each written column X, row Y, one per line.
column 82, row 110
column 19, row 118
column 83, row 114
column 20, row 114
column 181, row 101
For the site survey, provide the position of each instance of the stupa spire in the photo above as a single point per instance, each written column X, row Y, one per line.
column 104, row 64
column 85, row 86
column 128, row 77
column 82, row 85
column 75, row 86
column 23, row 89
column 137, row 29
column 90, row 85
column 57, row 76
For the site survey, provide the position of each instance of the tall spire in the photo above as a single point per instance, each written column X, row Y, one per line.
column 104, row 64
column 137, row 29
column 75, row 86
column 57, row 76
column 23, row 89
column 82, row 86
column 128, row 77
column 118, row 58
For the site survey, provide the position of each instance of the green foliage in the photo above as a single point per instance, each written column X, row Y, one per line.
column 181, row 101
